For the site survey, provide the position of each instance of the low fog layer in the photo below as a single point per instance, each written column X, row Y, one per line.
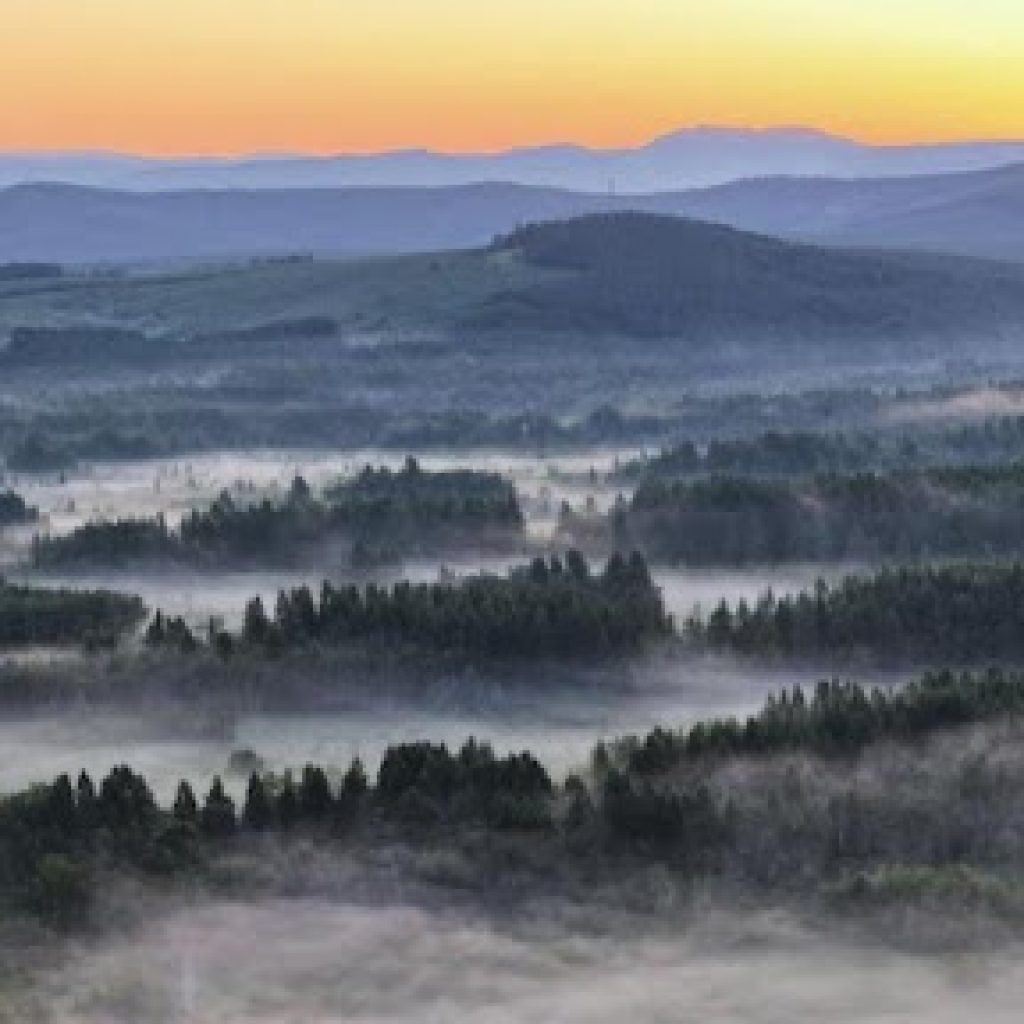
column 395, row 963
column 558, row 722
column 173, row 487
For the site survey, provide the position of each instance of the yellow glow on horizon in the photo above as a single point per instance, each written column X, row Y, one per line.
column 234, row 76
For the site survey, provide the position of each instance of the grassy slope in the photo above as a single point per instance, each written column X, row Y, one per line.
column 404, row 293
column 626, row 275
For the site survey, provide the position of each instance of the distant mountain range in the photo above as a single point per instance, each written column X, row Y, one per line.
column 69, row 224
column 605, row 286
column 975, row 214
column 694, row 158
column 978, row 213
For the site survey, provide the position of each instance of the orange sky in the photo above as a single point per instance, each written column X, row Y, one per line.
column 232, row 76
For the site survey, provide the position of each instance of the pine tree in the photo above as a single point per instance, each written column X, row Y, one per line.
column 218, row 814
column 258, row 812
column 186, row 809
column 287, row 803
column 314, row 794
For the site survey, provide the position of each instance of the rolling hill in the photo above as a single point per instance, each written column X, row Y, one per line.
column 643, row 275
column 977, row 214
column 69, row 224
column 632, row 275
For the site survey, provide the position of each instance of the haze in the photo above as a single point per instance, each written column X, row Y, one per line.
column 511, row 513
column 328, row 76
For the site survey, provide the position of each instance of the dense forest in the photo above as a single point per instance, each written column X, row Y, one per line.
column 834, row 719
column 773, row 453
column 379, row 516
column 681, row 800
column 646, row 276
column 60, row 346
column 90, row 346
column 412, row 509
column 951, row 512
column 550, row 608
column 31, row 617
column 994, row 440
column 57, row 440
column 53, row 837
column 957, row 614
column 30, row 271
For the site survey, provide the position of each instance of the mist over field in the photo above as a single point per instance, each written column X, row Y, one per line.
column 388, row 961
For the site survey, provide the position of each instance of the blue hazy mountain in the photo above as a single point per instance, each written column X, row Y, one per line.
column 977, row 213
column 682, row 160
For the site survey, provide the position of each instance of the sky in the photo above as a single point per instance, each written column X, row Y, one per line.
column 220, row 77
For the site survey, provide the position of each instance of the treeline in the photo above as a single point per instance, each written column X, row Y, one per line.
column 675, row 799
column 54, row 837
column 551, row 608
column 953, row 614
column 951, row 512
column 35, row 451
column 154, row 423
column 380, row 516
column 59, row 346
column 14, row 510
column 56, row 439
column 774, row 453
column 534, row 431
column 647, row 276
column 834, row 719
column 874, row 798
column 34, row 617
column 30, row 271
column 807, row 453
column 274, row 330
column 87, row 345
column 391, row 513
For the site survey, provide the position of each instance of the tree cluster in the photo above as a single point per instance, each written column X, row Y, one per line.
column 412, row 508
column 836, row 719
column 961, row 512
column 34, row 617
column 954, row 614
column 775, row 453
column 14, row 511
column 549, row 608
column 30, row 271
column 659, row 799
column 54, row 837
column 378, row 512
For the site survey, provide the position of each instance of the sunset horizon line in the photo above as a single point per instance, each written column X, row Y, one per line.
column 558, row 142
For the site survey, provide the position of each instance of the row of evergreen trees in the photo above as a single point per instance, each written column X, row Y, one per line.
column 405, row 511
column 52, row 837
column 836, row 718
column 37, row 617
column 773, row 453
column 950, row 512
column 549, row 608
column 413, row 510
column 14, row 510
column 55, row 839
column 805, row 453
column 955, row 614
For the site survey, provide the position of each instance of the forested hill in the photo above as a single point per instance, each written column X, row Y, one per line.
column 650, row 276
